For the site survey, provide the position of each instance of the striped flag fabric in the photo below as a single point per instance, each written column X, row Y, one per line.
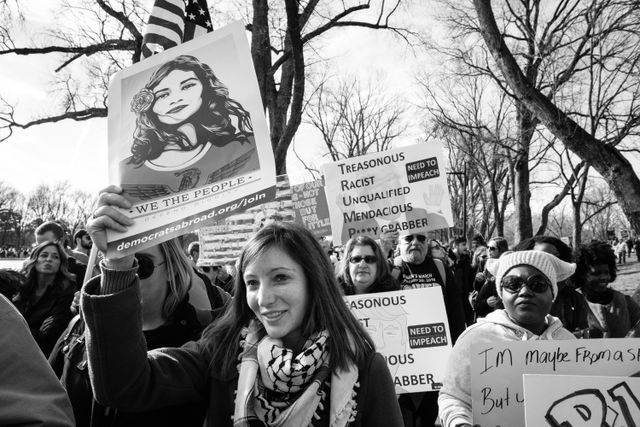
column 172, row 22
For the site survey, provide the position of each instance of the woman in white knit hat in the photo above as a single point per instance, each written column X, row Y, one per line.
column 527, row 283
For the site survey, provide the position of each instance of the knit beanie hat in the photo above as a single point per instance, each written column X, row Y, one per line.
column 551, row 266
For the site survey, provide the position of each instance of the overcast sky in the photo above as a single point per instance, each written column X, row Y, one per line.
column 77, row 151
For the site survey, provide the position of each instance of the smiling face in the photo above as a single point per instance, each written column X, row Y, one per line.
column 48, row 261
column 277, row 293
column 362, row 274
column 177, row 97
column 526, row 307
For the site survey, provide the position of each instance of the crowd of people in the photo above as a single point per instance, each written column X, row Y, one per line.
column 157, row 338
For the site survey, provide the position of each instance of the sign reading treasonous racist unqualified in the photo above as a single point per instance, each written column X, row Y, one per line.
column 188, row 139
column 402, row 190
column 310, row 205
column 581, row 401
column 497, row 368
column 411, row 331
column 222, row 242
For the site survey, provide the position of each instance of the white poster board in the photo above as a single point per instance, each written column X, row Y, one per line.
column 402, row 190
column 581, row 401
column 497, row 368
column 188, row 139
column 411, row 331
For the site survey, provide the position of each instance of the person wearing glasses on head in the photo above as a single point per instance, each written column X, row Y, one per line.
column 364, row 268
column 414, row 269
column 527, row 283
column 174, row 311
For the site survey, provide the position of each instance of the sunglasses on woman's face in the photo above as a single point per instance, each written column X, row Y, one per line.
column 492, row 248
column 146, row 266
column 409, row 238
column 536, row 283
column 357, row 259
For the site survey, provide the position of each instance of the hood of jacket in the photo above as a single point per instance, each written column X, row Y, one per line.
column 554, row 330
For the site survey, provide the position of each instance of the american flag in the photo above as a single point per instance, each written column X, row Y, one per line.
column 173, row 22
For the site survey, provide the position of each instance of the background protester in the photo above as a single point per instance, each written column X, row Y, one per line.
column 46, row 295
column 527, row 284
column 364, row 268
column 611, row 313
column 30, row 394
column 570, row 305
column 485, row 298
column 287, row 318
column 415, row 270
column 51, row 231
column 463, row 271
column 438, row 251
column 168, row 320
column 225, row 279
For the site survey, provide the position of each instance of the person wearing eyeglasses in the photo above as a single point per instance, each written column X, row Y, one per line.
column 415, row 269
column 364, row 268
column 174, row 311
column 527, row 283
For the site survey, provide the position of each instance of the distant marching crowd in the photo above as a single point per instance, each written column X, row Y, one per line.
column 158, row 339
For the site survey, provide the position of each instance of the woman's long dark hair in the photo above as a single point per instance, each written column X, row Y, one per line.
column 383, row 282
column 348, row 340
column 63, row 277
column 213, row 122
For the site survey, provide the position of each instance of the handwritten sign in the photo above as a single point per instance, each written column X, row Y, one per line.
column 497, row 368
column 188, row 139
column 310, row 204
column 221, row 243
column 581, row 401
column 403, row 190
column 411, row 331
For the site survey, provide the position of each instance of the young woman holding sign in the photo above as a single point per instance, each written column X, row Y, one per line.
column 527, row 283
column 287, row 352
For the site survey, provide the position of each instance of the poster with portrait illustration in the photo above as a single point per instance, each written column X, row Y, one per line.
column 581, row 400
column 403, row 190
column 188, row 139
column 411, row 331
column 497, row 370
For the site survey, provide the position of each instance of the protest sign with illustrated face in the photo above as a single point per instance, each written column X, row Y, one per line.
column 497, row 368
column 188, row 140
column 572, row 400
column 403, row 190
column 410, row 329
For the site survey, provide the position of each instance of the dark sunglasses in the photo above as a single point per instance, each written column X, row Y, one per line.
column 409, row 238
column 492, row 248
column 369, row 259
column 146, row 266
column 535, row 283
column 208, row 269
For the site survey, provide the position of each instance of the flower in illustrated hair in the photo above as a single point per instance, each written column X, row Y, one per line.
column 142, row 101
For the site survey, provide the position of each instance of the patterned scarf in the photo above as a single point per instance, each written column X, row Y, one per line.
column 283, row 390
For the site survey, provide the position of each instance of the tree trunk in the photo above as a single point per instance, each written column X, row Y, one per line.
column 609, row 162
column 577, row 224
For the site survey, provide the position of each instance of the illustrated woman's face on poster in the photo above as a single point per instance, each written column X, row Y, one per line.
column 177, row 97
